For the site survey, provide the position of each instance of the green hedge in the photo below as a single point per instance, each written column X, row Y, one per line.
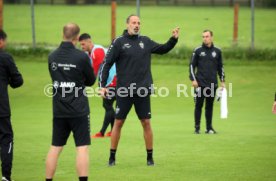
column 182, row 54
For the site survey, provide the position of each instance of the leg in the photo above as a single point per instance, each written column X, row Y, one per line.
column 82, row 161
column 80, row 127
column 209, row 110
column 199, row 100
column 61, row 132
column 51, row 161
column 6, row 144
column 143, row 110
column 115, row 138
column 116, row 133
column 148, row 135
column 123, row 107
column 109, row 114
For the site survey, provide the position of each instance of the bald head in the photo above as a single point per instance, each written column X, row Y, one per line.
column 71, row 32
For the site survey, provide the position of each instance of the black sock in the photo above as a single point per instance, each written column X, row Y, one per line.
column 112, row 154
column 49, row 179
column 83, row 178
column 149, row 154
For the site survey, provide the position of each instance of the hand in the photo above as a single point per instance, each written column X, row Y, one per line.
column 103, row 92
column 222, row 84
column 195, row 84
column 274, row 108
column 175, row 32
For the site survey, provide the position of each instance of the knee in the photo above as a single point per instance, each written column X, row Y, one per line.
column 107, row 107
column 199, row 106
column 146, row 123
column 119, row 123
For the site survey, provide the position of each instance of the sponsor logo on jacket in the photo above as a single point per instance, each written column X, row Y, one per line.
column 57, row 84
column 202, row 54
column 126, row 45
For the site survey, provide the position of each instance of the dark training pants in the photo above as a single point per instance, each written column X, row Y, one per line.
column 201, row 94
column 6, row 146
column 109, row 113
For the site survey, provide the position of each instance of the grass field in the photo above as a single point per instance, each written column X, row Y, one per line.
column 157, row 23
column 243, row 149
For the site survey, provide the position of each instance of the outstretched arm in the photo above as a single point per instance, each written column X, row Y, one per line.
column 165, row 48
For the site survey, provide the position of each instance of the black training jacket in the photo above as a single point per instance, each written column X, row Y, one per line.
column 208, row 63
column 132, row 55
column 71, row 71
column 9, row 75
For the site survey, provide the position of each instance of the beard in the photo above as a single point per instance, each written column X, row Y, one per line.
column 136, row 31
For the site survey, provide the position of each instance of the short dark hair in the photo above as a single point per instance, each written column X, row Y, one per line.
column 3, row 35
column 128, row 18
column 84, row 36
column 211, row 33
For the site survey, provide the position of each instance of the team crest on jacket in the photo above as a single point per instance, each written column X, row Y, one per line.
column 141, row 44
column 214, row 54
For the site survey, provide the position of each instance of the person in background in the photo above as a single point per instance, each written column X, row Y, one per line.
column 9, row 75
column 206, row 63
column 97, row 55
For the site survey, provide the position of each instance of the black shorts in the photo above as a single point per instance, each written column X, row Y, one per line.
column 141, row 105
column 80, row 126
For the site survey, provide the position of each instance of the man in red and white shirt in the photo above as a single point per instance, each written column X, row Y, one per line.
column 97, row 55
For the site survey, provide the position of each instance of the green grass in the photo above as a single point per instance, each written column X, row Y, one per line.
column 157, row 23
column 244, row 148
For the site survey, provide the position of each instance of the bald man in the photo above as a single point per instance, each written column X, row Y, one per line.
column 71, row 71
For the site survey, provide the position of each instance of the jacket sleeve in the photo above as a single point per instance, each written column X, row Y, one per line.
column 88, row 72
column 98, row 59
column 193, row 65
column 15, row 77
column 221, row 69
column 163, row 48
column 110, row 58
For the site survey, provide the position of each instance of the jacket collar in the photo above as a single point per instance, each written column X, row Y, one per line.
column 66, row 44
column 212, row 46
column 125, row 33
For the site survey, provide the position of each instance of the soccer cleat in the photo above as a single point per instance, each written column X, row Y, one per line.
column 98, row 135
column 197, row 131
column 150, row 162
column 108, row 134
column 111, row 162
column 5, row 179
column 210, row 131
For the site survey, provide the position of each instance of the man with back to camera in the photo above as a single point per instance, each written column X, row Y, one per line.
column 97, row 54
column 132, row 54
column 207, row 60
column 71, row 71
column 9, row 75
